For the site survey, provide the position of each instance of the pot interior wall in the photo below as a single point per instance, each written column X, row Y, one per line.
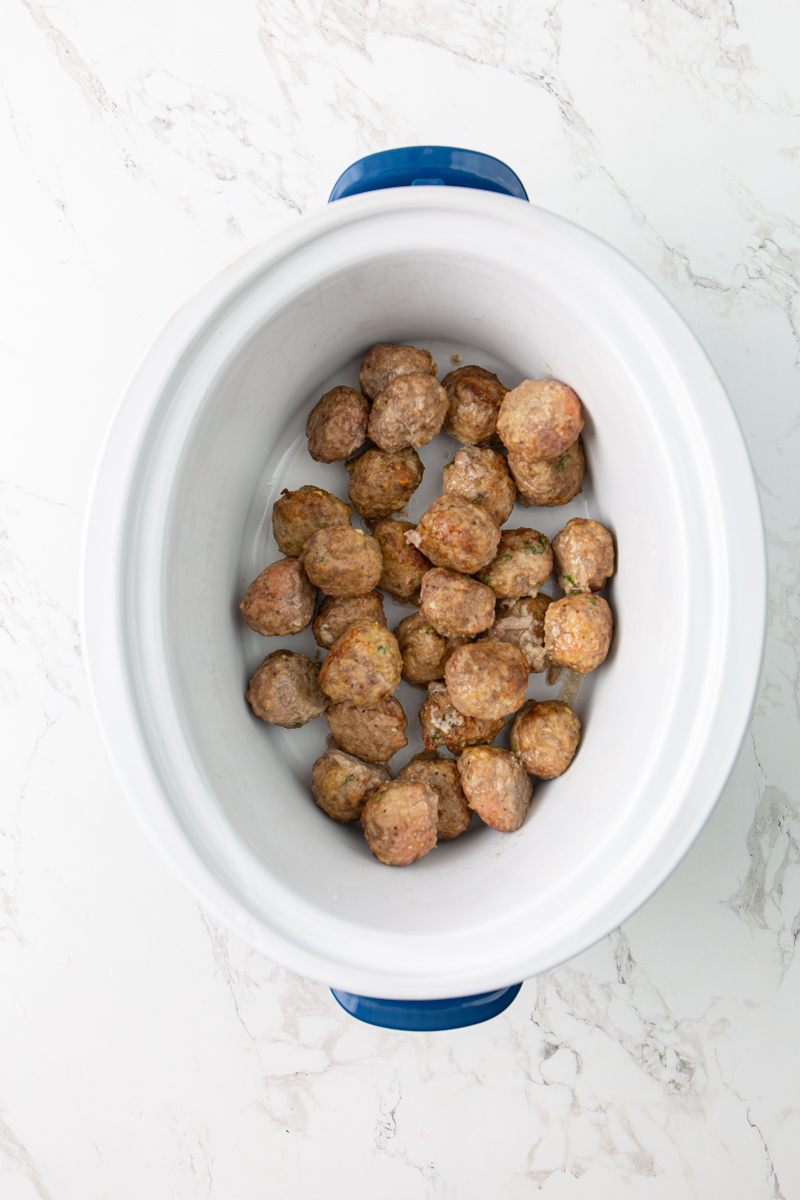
column 247, row 443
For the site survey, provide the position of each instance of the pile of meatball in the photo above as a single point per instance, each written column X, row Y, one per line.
column 482, row 623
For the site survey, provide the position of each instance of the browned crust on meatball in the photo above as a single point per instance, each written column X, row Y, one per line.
column 299, row 514
column 341, row 784
column 372, row 734
column 343, row 561
column 521, row 566
column 487, row 679
column 424, row 651
column 400, row 822
column 578, row 632
column 381, row 484
column 584, row 556
column 544, row 737
column 444, row 727
column 481, row 477
column 456, row 606
column 474, row 398
column 280, row 601
column 403, row 564
column 521, row 622
column 363, row 665
column 338, row 613
column 386, row 362
column 497, row 787
column 551, row 481
column 540, row 418
column 441, row 774
column 337, row 425
column 285, row 690
column 408, row 412
column 456, row 534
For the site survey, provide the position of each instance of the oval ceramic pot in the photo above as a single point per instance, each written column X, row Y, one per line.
column 211, row 430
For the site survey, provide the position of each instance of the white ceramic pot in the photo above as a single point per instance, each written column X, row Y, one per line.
column 209, row 432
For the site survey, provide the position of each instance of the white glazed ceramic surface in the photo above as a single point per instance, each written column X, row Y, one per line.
column 212, row 429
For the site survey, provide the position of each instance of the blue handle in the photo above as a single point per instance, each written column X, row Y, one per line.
column 423, row 1016
column 443, row 166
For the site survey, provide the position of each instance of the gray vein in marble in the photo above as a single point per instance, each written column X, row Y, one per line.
column 90, row 86
column 15, row 1152
column 777, row 1194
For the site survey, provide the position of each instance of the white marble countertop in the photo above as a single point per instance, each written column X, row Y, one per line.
column 144, row 1051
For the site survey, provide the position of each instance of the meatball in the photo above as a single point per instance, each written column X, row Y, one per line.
column 341, row 784
column 285, row 690
column 403, row 564
column 373, row 734
column 577, row 632
column 342, row 561
column 487, row 679
column 444, row 727
column 441, row 774
column 521, row 622
column 497, row 787
column 408, row 412
column 338, row 613
column 424, row 651
column 474, row 396
column 363, row 665
column 400, row 822
column 544, row 737
column 550, row 481
column 280, row 601
column 481, row 477
column 584, row 556
column 337, row 425
column 456, row 534
column 381, row 484
column 523, row 563
column 299, row 514
column 540, row 419
column 385, row 362
column 456, row 606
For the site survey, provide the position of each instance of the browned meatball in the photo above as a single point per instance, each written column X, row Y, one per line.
column 540, row 419
column 550, row 481
column 481, row 477
column 400, row 822
column 456, row 534
column 403, row 564
column 337, row 425
column 441, row 774
column 497, row 787
column 444, row 727
column 544, row 737
column 584, row 556
column 341, row 784
column 363, row 665
column 456, row 606
column 285, row 690
column 338, row 613
column 521, row 622
column 385, row 362
column 381, row 484
column 474, row 396
column 342, row 561
column 408, row 412
column 577, row 632
column 424, row 651
column 373, row 734
column 523, row 563
column 487, row 679
column 280, row 601
column 297, row 515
